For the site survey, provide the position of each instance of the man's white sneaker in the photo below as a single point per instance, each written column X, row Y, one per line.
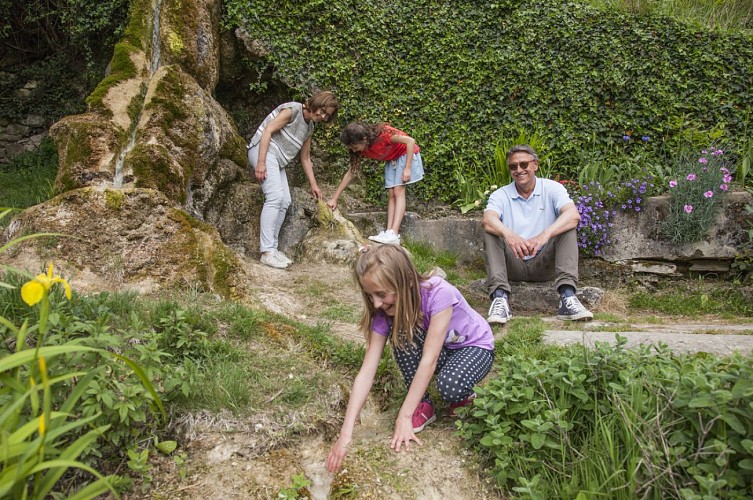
column 388, row 238
column 282, row 257
column 270, row 259
column 572, row 310
column 499, row 312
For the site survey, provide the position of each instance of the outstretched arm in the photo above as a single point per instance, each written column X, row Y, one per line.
column 435, row 336
column 354, row 164
column 361, row 387
column 308, row 169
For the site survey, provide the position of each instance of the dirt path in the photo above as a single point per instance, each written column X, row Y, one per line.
column 224, row 461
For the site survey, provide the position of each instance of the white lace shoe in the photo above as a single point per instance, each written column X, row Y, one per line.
column 572, row 310
column 499, row 312
column 270, row 259
column 282, row 257
column 378, row 237
column 387, row 238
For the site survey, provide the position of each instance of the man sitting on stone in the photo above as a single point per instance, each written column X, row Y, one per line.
column 530, row 236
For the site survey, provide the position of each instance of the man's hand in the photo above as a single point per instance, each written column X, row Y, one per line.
column 521, row 248
column 316, row 192
column 537, row 243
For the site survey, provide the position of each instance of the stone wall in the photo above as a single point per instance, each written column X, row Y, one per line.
column 25, row 134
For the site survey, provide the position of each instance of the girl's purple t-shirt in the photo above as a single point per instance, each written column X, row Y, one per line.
column 467, row 327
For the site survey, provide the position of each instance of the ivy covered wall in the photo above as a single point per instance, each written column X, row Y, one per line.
column 459, row 74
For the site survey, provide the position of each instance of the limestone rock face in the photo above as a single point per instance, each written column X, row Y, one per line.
column 152, row 163
column 334, row 239
column 87, row 145
column 124, row 239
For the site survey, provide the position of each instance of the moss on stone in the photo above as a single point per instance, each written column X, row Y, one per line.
column 224, row 263
column 122, row 68
column 114, row 199
column 175, row 43
column 168, row 97
column 234, row 148
column 153, row 168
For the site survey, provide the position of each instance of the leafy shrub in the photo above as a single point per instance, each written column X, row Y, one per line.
column 623, row 423
column 695, row 195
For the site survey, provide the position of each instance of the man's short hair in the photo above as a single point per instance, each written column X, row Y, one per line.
column 525, row 148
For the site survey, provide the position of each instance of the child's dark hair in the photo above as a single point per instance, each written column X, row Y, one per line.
column 323, row 100
column 358, row 132
column 391, row 267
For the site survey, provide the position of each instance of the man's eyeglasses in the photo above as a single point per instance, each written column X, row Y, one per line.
column 523, row 165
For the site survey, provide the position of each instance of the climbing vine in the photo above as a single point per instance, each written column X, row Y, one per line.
column 460, row 75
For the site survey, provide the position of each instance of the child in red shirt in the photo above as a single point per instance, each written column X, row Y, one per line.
column 402, row 166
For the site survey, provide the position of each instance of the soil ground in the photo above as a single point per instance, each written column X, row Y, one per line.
column 224, row 461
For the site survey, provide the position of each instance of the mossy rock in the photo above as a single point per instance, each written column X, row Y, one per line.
column 86, row 145
column 126, row 239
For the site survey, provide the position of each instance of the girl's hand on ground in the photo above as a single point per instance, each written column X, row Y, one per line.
column 406, row 175
column 332, row 203
column 403, row 434
column 337, row 454
column 261, row 172
column 316, row 192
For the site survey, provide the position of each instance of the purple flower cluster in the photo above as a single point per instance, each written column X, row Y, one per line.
column 598, row 207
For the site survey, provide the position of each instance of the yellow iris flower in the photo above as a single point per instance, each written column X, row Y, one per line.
column 33, row 291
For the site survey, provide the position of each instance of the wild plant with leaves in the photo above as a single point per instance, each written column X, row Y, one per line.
column 42, row 435
column 696, row 193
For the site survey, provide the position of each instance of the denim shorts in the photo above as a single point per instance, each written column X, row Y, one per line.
column 393, row 171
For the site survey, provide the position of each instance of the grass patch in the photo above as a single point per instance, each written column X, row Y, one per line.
column 342, row 312
column 694, row 301
column 730, row 15
column 29, row 177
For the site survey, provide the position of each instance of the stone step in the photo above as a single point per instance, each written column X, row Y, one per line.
column 673, row 337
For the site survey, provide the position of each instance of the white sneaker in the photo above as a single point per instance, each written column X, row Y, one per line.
column 282, row 257
column 499, row 312
column 388, row 238
column 270, row 259
column 378, row 237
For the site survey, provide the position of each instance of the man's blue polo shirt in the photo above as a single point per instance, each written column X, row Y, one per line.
column 527, row 218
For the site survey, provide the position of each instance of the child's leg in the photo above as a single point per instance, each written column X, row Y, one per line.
column 408, row 359
column 463, row 370
column 396, row 208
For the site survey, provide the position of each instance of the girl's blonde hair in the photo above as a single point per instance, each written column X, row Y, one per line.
column 391, row 269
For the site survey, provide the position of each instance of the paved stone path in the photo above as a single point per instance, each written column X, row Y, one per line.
column 681, row 337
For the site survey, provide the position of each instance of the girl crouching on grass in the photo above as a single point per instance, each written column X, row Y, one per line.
column 432, row 331
column 402, row 166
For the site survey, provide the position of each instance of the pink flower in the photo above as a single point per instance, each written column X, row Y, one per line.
column 718, row 152
column 688, row 208
column 724, row 170
column 691, row 177
column 727, row 178
column 708, row 194
column 702, row 160
column 672, row 184
column 724, row 187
